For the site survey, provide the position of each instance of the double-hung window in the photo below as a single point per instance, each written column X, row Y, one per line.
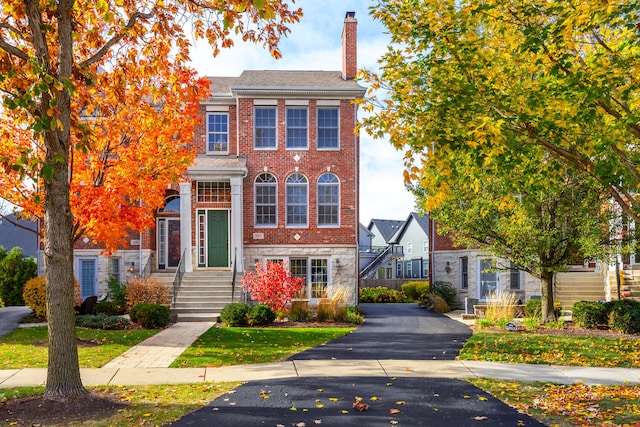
column 297, row 200
column 328, row 128
column 265, row 127
column 266, row 200
column 297, row 128
column 217, row 133
column 328, row 200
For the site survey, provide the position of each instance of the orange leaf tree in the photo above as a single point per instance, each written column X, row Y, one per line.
column 98, row 111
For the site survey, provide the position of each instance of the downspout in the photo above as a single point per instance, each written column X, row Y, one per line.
column 356, row 153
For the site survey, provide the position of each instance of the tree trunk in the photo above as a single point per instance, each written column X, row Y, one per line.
column 548, row 313
column 63, row 373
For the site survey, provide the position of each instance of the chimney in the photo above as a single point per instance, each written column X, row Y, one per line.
column 350, row 46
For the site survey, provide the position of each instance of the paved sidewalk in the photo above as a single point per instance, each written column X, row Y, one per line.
column 458, row 369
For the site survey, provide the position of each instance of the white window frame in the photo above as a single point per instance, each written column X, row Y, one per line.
column 289, row 186
column 265, row 184
column 210, row 133
column 274, row 127
column 319, row 128
column 409, row 248
column 324, row 185
column 289, row 128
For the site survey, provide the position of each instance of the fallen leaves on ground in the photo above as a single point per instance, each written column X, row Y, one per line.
column 570, row 405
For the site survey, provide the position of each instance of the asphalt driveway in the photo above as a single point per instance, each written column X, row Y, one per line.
column 391, row 331
column 396, row 331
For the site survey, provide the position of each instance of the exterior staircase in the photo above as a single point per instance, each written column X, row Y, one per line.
column 631, row 287
column 202, row 294
column 578, row 286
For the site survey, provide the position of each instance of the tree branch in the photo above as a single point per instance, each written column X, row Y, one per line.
column 133, row 20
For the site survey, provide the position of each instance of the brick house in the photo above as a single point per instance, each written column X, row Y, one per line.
column 275, row 178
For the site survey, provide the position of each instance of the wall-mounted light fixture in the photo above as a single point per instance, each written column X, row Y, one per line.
column 448, row 268
column 338, row 265
column 132, row 269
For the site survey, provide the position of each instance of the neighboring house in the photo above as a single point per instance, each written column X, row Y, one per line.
column 22, row 235
column 276, row 178
column 365, row 243
column 383, row 262
column 413, row 237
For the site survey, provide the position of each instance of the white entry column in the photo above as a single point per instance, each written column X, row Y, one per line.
column 237, row 254
column 185, row 226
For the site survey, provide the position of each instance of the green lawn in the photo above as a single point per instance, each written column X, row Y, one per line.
column 27, row 347
column 237, row 346
column 513, row 347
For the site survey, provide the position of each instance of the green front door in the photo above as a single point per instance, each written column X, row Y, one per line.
column 217, row 238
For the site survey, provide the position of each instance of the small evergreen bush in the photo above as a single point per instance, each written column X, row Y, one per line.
column 446, row 290
column 590, row 314
column 150, row 316
column 260, row 315
column 108, row 308
column 102, row 321
column 414, row 289
column 533, row 308
column 15, row 271
column 117, row 294
column 624, row 316
column 433, row 302
column 235, row 314
column 351, row 315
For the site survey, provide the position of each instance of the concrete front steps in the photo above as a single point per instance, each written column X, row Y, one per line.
column 202, row 294
column 577, row 286
column 631, row 287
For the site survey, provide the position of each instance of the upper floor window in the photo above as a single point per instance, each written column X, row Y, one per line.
column 328, row 199
column 218, row 133
column 328, row 127
column 297, row 200
column 266, row 197
column 425, row 246
column 409, row 248
column 297, row 127
column 265, row 127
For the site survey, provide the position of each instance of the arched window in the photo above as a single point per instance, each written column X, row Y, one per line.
column 328, row 200
column 266, row 200
column 297, row 200
column 172, row 205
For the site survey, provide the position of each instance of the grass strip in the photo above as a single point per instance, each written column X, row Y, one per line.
column 27, row 347
column 511, row 347
column 221, row 346
column 568, row 405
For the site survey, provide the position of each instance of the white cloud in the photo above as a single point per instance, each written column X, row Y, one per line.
column 315, row 44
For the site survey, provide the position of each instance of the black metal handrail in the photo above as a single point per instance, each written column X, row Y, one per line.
column 233, row 277
column 379, row 259
column 177, row 278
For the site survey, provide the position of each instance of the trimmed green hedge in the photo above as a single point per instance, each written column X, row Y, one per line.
column 623, row 315
column 381, row 294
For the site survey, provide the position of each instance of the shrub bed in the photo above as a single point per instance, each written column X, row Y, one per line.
column 623, row 315
column 433, row 302
column 414, row 289
column 150, row 316
column 102, row 321
column 235, row 314
column 381, row 294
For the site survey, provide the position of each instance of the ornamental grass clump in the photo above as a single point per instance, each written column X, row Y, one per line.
column 501, row 308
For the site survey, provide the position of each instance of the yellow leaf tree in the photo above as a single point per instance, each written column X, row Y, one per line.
column 97, row 116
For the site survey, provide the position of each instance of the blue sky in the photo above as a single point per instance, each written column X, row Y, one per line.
column 315, row 44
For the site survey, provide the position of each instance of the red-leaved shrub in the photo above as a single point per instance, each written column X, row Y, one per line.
column 272, row 285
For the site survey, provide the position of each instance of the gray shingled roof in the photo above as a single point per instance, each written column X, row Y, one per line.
column 269, row 81
column 423, row 222
column 387, row 227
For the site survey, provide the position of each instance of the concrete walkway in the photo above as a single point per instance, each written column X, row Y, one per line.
column 160, row 350
column 10, row 316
